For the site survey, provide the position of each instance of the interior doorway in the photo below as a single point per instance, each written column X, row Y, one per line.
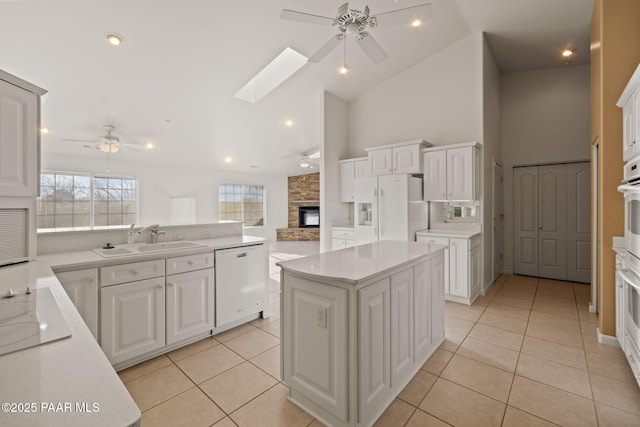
column 552, row 227
column 498, row 221
column 595, row 238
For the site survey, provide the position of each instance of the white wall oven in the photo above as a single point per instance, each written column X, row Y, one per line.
column 631, row 190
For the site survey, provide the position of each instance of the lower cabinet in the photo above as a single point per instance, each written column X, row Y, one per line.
column 132, row 319
column 342, row 237
column 82, row 288
column 190, row 308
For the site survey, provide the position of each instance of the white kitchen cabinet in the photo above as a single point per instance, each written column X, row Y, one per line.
column 132, row 319
column 20, row 130
column 398, row 158
column 123, row 273
column 462, row 266
column 402, row 323
column 620, row 308
column 451, row 173
column 189, row 297
column 342, row 237
column 350, row 169
column 82, row 288
column 630, row 103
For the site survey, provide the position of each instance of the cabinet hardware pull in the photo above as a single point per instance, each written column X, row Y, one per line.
column 170, row 284
column 158, row 286
column 134, row 272
column 243, row 254
column 190, row 262
column 539, row 227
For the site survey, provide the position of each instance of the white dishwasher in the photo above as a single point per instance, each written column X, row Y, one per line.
column 241, row 282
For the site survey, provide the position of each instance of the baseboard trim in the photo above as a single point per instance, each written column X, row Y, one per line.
column 592, row 308
column 607, row 339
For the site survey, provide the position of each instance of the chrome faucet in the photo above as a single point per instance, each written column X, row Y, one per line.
column 155, row 232
column 138, row 236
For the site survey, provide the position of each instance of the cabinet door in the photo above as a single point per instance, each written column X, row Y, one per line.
column 474, row 272
column 459, row 267
column 82, row 288
column 402, row 299
column 132, row 319
column 421, row 310
column 435, row 175
column 629, row 125
column 407, row 159
column 19, row 123
column 347, row 175
column 439, row 268
column 380, row 162
column 620, row 309
column 636, row 122
column 190, row 304
column 361, row 167
column 374, row 379
column 460, row 174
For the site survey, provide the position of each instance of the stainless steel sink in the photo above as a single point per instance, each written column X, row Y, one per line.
column 145, row 248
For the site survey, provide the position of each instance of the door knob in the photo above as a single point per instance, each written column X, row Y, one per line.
column 539, row 227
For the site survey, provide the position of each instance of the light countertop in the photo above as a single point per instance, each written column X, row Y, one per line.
column 360, row 263
column 72, row 370
column 463, row 234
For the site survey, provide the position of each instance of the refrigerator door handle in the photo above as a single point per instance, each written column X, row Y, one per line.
column 380, row 203
column 374, row 213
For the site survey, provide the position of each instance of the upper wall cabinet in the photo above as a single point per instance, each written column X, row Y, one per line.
column 350, row 169
column 19, row 137
column 630, row 104
column 451, row 172
column 403, row 157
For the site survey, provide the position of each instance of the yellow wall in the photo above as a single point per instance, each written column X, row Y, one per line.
column 615, row 54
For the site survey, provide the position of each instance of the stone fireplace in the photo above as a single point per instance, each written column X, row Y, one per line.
column 304, row 198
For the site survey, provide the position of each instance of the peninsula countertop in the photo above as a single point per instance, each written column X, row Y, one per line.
column 360, row 263
column 70, row 382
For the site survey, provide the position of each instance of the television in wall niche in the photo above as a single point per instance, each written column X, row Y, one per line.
column 309, row 216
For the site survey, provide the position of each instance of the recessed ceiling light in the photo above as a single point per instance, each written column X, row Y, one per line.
column 149, row 145
column 114, row 39
column 568, row 52
column 416, row 23
column 288, row 123
column 44, row 131
column 228, row 159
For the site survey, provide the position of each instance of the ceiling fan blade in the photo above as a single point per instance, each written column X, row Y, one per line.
column 357, row 5
column 292, row 15
column 79, row 140
column 404, row 16
column 325, row 49
column 373, row 50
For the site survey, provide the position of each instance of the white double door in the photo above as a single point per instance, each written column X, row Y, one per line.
column 552, row 221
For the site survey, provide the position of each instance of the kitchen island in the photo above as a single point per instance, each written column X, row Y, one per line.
column 357, row 324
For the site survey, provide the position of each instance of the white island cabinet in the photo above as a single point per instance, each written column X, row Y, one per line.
column 357, row 324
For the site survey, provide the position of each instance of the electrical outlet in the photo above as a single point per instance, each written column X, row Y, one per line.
column 206, row 235
column 322, row 317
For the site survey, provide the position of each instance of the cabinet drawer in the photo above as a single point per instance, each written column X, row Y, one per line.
column 633, row 356
column 183, row 264
column 432, row 239
column 124, row 273
column 474, row 242
column 343, row 234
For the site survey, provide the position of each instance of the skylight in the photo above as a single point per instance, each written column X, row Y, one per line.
column 272, row 75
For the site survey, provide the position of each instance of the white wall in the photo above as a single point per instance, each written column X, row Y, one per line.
column 335, row 147
column 545, row 119
column 159, row 183
column 492, row 149
column 438, row 99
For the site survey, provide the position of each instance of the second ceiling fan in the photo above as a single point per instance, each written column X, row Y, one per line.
column 355, row 22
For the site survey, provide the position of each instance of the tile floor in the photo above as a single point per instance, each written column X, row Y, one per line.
column 525, row 354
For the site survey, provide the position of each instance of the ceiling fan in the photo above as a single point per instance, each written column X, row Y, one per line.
column 108, row 143
column 356, row 22
column 308, row 159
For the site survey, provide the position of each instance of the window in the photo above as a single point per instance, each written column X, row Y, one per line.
column 244, row 203
column 69, row 200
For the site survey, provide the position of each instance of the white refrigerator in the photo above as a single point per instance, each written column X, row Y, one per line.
column 389, row 207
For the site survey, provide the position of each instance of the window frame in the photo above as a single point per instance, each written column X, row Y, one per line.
column 243, row 201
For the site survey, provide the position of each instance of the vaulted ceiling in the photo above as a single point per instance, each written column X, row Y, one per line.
column 172, row 80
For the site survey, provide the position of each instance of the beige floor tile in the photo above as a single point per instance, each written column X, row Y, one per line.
column 209, row 363
column 612, row 367
column 619, row 394
column 482, row 301
column 555, row 374
column 155, row 387
column 522, row 280
column 519, row 287
column 191, row 408
column 508, row 311
column 494, row 355
column 551, row 404
column 497, row 336
column 572, row 324
column 462, row 311
column 269, row 361
column 570, row 356
column 556, row 289
column 235, row 387
column 235, row 332
column 396, row 415
column 480, row 377
column 422, row 419
column 317, row 423
column 143, row 368
column 514, row 417
column 271, row 409
column 192, row 349
column 273, row 328
column 457, row 325
column 585, row 315
column 589, row 328
column 554, row 334
column 524, row 303
column 225, row 422
column 460, row 406
column 437, row 362
column 609, row 416
column 260, row 322
column 518, row 293
column 591, row 345
column 504, row 322
column 418, row 388
column 449, row 345
column 558, row 310
column 454, row 339
column 252, row 343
